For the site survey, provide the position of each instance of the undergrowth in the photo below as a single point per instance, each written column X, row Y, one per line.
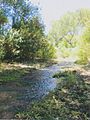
column 69, row 101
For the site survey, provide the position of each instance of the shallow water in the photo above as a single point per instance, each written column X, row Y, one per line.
column 37, row 84
column 41, row 83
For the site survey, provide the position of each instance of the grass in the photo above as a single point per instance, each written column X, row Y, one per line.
column 15, row 71
column 12, row 75
column 9, row 72
column 69, row 101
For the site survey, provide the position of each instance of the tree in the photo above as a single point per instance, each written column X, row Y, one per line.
column 3, row 18
column 64, row 30
column 47, row 50
column 25, row 38
column 23, row 16
column 64, row 33
column 83, row 16
column 84, row 45
column 10, row 45
column 19, row 10
column 31, row 38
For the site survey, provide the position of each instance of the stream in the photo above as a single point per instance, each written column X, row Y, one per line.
column 38, row 84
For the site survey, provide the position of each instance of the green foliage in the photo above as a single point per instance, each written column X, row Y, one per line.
column 47, row 50
column 11, row 75
column 31, row 39
column 11, row 44
column 26, row 39
column 83, row 16
column 27, row 43
column 19, row 10
column 84, row 46
column 67, row 102
column 3, row 18
column 1, row 47
column 66, row 31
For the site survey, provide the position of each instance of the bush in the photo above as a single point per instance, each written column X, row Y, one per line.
column 2, row 52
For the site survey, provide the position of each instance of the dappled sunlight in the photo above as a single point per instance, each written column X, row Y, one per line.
column 45, row 59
